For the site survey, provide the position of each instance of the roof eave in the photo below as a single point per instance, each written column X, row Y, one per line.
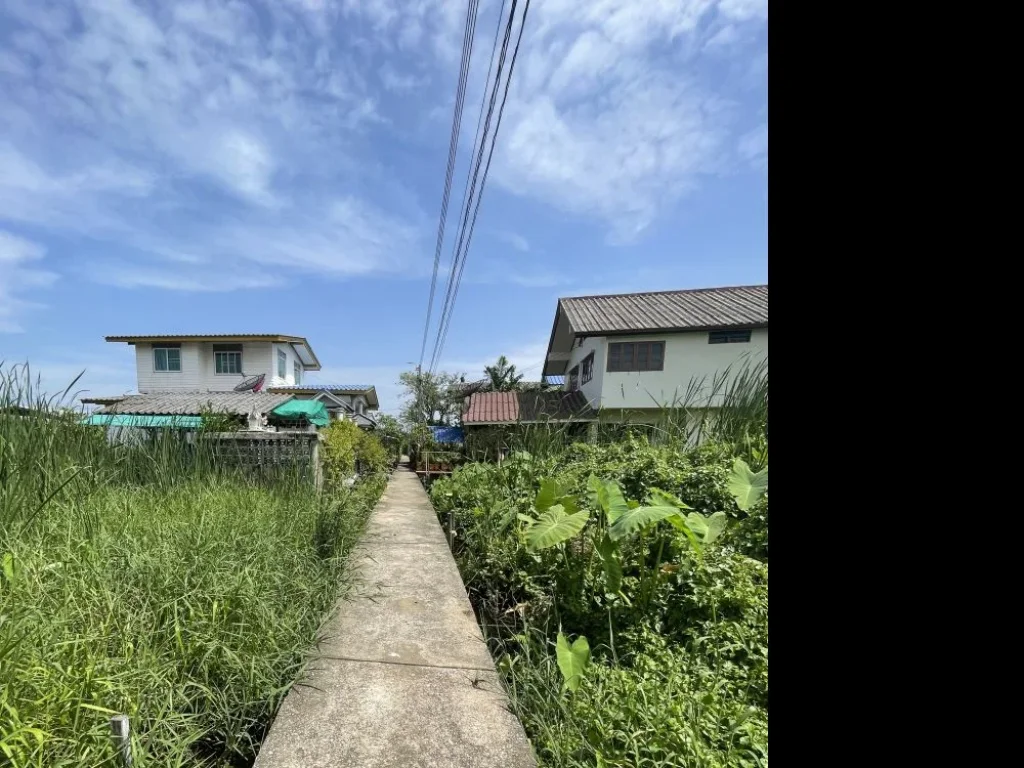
column 682, row 329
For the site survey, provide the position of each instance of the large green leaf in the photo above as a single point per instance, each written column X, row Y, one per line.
column 550, row 492
column 597, row 493
column 634, row 520
column 555, row 527
column 606, row 496
column 609, row 553
column 660, row 498
column 572, row 660
column 716, row 524
column 747, row 486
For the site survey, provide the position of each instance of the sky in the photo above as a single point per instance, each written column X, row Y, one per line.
column 277, row 166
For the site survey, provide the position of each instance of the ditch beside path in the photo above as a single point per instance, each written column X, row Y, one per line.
column 404, row 678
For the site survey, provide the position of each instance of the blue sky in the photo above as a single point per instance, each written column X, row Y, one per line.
column 277, row 166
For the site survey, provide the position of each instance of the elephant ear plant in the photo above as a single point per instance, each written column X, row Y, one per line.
column 558, row 519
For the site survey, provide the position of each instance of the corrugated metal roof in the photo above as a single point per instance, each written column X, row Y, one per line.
column 523, row 407
column 702, row 308
column 322, row 387
column 195, row 403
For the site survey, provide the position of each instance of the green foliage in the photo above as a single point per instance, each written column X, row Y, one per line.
column 430, row 398
column 371, row 454
column 572, row 660
column 218, row 421
column 502, row 376
column 341, row 440
column 142, row 579
column 675, row 615
column 747, row 486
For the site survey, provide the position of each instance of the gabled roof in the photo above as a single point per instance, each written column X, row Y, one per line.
column 526, row 407
column 196, row 403
column 299, row 343
column 698, row 309
column 367, row 390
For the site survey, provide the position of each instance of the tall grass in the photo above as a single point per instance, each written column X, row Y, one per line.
column 143, row 579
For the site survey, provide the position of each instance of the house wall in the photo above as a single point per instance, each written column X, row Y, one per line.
column 688, row 357
column 198, row 371
column 592, row 389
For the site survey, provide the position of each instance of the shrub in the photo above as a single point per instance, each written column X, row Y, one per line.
column 371, row 454
column 341, row 439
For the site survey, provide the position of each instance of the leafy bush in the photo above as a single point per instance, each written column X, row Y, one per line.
column 643, row 551
column 371, row 454
column 341, row 441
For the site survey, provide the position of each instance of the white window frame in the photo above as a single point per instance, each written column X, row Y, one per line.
column 217, row 353
column 297, row 372
column 167, row 360
column 282, row 364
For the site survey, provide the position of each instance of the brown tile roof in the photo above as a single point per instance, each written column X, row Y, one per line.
column 194, row 403
column 699, row 309
column 525, row 407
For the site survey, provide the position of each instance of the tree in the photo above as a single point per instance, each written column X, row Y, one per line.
column 431, row 398
column 503, row 376
column 389, row 429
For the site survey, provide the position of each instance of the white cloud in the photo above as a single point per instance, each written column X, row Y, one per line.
column 753, row 146
column 610, row 118
column 516, row 240
column 133, row 123
column 17, row 276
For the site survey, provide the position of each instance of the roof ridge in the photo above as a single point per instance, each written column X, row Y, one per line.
column 661, row 293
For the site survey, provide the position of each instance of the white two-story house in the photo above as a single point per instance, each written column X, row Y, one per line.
column 186, row 374
column 630, row 355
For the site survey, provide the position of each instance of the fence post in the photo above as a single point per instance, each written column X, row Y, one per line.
column 122, row 741
column 451, row 531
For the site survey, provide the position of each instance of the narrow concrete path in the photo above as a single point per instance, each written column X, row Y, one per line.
column 404, row 678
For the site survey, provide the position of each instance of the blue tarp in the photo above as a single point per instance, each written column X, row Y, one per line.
column 447, row 435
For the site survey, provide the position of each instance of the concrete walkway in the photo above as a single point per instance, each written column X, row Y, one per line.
column 404, row 678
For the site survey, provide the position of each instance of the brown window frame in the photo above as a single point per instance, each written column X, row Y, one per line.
column 617, row 363
column 587, row 368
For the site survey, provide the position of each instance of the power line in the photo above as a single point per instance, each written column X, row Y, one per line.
column 460, row 97
column 477, row 143
column 446, row 316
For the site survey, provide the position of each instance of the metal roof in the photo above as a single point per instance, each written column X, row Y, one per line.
column 698, row 309
column 526, row 407
column 324, row 387
column 309, row 358
column 344, row 389
column 196, row 403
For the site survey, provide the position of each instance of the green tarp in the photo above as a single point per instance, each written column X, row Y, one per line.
column 312, row 411
column 141, row 420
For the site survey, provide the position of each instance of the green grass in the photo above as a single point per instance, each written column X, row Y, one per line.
column 146, row 580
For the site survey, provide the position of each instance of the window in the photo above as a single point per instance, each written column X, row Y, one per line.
column 227, row 358
column 167, row 358
column 588, row 367
column 297, row 370
column 574, row 379
column 636, row 356
column 729, row 337
column 282, row 363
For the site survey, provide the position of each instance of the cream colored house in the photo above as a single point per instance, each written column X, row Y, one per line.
column 181, row 374
column 633, row 354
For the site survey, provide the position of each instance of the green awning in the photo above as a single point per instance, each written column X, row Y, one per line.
column 173, row 421
column 313, row 411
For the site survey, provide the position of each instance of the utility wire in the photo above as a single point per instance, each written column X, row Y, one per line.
column 453, row 146
column 446, row 318
column 478, row 142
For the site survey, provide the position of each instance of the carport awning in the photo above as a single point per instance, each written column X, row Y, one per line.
column 172, row 421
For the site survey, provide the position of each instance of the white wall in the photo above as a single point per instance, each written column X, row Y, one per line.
column 688, row 356
column 198, row 371
column 592, row 389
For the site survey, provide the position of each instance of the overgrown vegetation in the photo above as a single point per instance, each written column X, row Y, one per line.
column 144, row 579
column 623, row 587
